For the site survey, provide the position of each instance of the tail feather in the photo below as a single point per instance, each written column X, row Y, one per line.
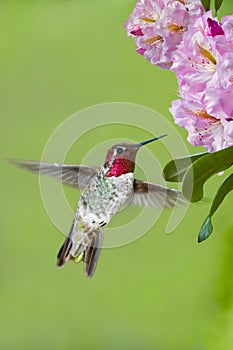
column 92, row 253
column 64, row 253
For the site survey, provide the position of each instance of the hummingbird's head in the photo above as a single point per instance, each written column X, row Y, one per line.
column 121, row 157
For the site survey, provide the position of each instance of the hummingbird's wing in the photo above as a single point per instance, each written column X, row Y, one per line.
column 69, row 174
column 156, row 196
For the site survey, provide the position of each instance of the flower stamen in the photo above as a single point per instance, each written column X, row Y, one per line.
column 206, row 54
column 147, row 19
column 153, row 40
column 176, row 28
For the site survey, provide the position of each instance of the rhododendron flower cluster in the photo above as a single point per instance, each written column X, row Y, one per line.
column 203, row 65
column 158, row 27
column 181, row 36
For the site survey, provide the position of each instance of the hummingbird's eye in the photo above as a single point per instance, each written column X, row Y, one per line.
column 120, row 150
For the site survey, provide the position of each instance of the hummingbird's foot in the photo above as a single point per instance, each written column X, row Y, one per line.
column 79, row 257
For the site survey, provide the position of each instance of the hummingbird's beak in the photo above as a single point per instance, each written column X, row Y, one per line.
column 151, row 140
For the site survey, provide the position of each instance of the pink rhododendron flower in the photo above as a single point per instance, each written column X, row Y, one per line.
column 158, row 27
column 204, row 67
column 145, row 14
column 204, row 129
column 197, row 58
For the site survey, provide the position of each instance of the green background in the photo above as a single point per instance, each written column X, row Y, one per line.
column 162, row 292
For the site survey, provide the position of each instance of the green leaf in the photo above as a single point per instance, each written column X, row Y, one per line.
column 175, row 170
column 202, row 169
column 225, row 188
column 206, row 4
column 205, row 230
column 218, row 4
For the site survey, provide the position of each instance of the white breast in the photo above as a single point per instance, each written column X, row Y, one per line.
column 101, row 200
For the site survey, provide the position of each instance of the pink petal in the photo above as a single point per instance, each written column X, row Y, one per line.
column 213, row 28
column 141, row 51
column 136, row 31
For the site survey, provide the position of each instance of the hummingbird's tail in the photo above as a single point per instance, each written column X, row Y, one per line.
column 88, row 253
column 92, row 253
column 63, row 255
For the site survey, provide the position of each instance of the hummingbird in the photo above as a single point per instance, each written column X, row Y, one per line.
column 104, row 192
